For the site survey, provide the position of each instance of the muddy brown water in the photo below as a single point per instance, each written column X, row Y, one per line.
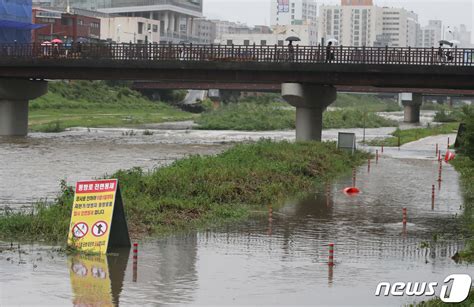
column 282, row 261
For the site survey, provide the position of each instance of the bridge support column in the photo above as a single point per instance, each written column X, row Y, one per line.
column 412, row 104
column 310, row 102
column 14, row 97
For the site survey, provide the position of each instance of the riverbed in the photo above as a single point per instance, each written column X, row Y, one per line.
column 269, row 260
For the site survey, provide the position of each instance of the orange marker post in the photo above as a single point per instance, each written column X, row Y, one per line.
column 404, row 216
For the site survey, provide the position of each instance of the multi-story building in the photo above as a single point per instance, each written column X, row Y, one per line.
column 360, row 23
column 262, row 36
column 351, row 24
column 431, row 34
column 460, row 35
column 224, row 27
column 204, row 30
column 175, row 16
column 68, row 27
column 123, row 29
column 400, row 25
column 285, row 12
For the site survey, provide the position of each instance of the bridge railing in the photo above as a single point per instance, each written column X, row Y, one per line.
column 241, row 53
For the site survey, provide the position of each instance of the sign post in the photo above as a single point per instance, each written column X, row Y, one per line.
column 98, row 218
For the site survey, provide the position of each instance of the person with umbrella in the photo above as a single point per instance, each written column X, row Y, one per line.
column 329, row 54
column 291, row 48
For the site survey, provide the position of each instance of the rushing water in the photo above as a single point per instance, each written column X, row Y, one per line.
column 277, row 260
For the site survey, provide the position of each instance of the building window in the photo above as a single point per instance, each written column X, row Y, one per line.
column 229, row 42
column 155, row 28
column 140, row 28
column 263, row 42
column 80, row 22
column 280, row 42
column 246, row 42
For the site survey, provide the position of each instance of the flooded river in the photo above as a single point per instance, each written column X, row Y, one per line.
column 280, row 260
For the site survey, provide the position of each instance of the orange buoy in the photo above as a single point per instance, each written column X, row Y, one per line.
column 351, row 190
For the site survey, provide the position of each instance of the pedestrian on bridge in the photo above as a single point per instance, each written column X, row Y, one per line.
column 329, row 53
column 440, row 53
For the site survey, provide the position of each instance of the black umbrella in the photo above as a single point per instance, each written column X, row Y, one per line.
column 445, row 42
column 293, row 39
column 82, row 40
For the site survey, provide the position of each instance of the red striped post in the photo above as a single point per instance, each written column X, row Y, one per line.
column 368, row 166
column 439, row 155
column 270, row 213
column 382, row 148
column 448, row 143
column 331, row 254
column 376, row 156
column 354, row 177
column 436, row 149
column 432, row 197
column 440, row 169
column 404, row 216
column 135, row 261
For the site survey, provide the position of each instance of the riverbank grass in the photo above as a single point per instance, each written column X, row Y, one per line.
column 278, row 116
column 199, row 190
column 411, row 135
column 96, row 104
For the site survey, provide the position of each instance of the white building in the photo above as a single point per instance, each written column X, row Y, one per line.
column 350, row 25
column 175, row 16
column 360, row 23
column 204, row 30
column 400, row 25
column 431, row 34
column 305, row 31
column 285, row 12
column 130, row 30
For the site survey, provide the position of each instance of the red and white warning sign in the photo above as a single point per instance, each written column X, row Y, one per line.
column 80, row 230
column 100, row 228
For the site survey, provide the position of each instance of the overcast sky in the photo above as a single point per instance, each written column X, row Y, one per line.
column 452, row 12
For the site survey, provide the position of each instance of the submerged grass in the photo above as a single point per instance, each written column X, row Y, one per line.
column 199, row 190
column 259, row 117
column 411, row 135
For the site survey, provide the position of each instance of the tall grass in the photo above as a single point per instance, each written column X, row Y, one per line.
column 200, row 190
column 258, row 117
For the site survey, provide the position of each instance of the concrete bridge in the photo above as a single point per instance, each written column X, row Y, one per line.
column 308, row 79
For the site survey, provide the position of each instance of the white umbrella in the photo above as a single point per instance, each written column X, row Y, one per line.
column 333, row 40
column 45, row 43
column 455, row 42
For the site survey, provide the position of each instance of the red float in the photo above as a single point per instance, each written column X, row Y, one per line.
column 351, row 190
column 449, row 156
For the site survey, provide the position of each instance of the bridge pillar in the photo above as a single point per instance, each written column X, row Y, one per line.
column 412, row 104
column 310, row 102
column 14, row 96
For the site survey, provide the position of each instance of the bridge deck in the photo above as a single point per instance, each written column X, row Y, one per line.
column 361, row 66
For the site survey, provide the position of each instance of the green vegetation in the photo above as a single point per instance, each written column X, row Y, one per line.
column 96, row 104
column 448, row 115
column 198, row 190
column 464, row 164
column 469, row 302
column 411, row 135
column 365, row 102
column 276, row 116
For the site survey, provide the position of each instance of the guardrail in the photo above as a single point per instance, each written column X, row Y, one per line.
column 239, row 53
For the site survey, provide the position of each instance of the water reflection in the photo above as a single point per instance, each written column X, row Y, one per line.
column 97, row 280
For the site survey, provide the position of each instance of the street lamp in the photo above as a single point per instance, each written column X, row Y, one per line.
column 118, row 33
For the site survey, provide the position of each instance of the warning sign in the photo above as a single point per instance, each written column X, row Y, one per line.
column 98, row 219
